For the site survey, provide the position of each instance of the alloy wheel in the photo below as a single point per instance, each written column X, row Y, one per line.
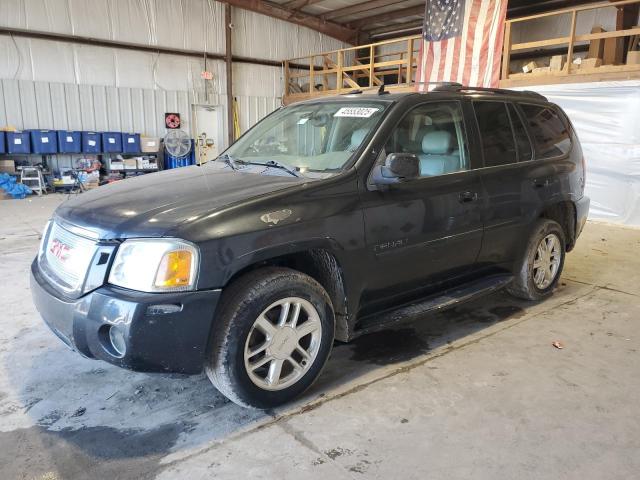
column 282, row 343
column 547, row 261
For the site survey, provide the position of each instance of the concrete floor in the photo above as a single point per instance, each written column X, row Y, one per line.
column 477, row 392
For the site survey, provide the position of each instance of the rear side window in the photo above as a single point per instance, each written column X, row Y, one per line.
column 550, row 134
column 525, row 152
column 498, row 145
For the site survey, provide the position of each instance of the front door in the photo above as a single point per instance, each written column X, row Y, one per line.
column 429, row 229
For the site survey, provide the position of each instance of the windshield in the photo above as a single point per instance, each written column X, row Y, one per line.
column 316, row 137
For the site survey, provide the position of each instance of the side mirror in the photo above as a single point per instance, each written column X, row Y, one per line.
column 398, row 167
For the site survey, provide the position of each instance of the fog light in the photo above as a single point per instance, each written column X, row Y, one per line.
column 116, row 337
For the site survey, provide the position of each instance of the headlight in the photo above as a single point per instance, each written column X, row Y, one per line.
column 43, row 240
column 155, row 265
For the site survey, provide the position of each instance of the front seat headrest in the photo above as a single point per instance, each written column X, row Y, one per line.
column 357, row 137
column 437, row 143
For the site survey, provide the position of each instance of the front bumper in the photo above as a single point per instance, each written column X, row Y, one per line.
column 155, row 342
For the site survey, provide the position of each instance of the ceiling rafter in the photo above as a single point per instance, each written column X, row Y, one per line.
column 358, row 8
column 397, row 27
column 298, row 4
column 404, row 12
column 338, row 31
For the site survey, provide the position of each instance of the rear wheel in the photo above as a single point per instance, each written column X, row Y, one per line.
column 273, row 335
column 541, row 266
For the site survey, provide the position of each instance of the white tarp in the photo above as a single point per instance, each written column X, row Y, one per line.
column 606, row 116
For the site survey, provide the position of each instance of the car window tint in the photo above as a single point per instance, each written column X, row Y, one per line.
column 525, row 152
column 496, row 135
column 435, row 133
column 550, row 134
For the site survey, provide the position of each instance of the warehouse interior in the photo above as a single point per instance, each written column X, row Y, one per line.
column 100, row 93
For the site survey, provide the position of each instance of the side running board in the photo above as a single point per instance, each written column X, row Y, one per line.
column 432, row 304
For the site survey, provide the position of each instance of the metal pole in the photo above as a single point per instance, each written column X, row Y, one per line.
column 229, row 71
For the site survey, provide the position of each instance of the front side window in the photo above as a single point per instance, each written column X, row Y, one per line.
column 496, row 135
column 550, row 134
column 314, row 137
column 435, row 133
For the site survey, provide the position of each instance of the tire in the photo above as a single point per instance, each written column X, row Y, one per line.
column 526, row 284
column 240, row 329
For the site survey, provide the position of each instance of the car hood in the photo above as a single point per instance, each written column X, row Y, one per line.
column 152, row 205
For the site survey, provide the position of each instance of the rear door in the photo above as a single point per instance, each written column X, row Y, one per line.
column 519, row 175
column 428, row 229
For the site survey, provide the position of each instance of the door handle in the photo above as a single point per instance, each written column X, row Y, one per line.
column 466, row 197
column 541, row 183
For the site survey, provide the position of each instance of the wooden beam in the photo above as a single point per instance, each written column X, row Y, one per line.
column 298, row 4
column 398, row 27
column 359, row 7
column 332, row 29
column 403, row 12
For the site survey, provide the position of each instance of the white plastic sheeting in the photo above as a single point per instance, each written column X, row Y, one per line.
column 606, row 116
column 259, row 36
column 187, row 24
column 105, row 77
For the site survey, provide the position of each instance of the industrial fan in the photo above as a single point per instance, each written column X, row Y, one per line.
column 177, row 143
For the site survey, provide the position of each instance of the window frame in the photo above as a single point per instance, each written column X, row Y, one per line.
column 464, row 131
column 563, row 118
column 523, row 122
column 513, row 133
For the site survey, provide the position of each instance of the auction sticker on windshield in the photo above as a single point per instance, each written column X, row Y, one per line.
column 357, row 112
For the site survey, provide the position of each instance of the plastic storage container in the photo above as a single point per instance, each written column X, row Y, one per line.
column 3, row 143
column 18, row 142
column 150, row 144
column 131, row 143
column 112, row 142
column 44, row 142
column 91, row 142
column 69, row 142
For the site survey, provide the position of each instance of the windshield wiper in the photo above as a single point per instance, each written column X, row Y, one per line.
column 231, row 161
column 277, row 164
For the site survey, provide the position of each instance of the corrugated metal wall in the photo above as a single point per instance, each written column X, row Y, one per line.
column 52, row 84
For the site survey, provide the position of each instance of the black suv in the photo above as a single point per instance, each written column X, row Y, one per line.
column 329, row 219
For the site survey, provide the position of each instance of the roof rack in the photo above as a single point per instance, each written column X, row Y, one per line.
column 458, row 88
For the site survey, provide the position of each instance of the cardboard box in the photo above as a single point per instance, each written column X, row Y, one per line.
column 613, row 51
column 7, row 166
column 149, row 163
column 596, row 47
column 529, row 67
column 633, row 58
column 130, row 163
column 557, row 63
column 541, row 70
column 149, row 144
column 590, row 63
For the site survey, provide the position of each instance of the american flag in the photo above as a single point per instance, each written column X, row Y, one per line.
column 462, row 42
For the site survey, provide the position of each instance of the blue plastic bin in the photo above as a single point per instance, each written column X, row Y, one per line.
column 91, row 142
column 3, row 144
column 18, row 142
column 112, row 142
column 131, row 143
column 69, row 142
column 44, row 142
column 176, row 162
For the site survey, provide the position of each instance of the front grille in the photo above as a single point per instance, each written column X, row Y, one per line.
column 66, row 257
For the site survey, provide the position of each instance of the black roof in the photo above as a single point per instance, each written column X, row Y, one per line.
column 439, row 88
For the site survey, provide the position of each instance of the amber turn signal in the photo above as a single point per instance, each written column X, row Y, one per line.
column 175, row 269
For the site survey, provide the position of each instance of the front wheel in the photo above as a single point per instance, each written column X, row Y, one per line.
column 273, row 335
column 541, row 265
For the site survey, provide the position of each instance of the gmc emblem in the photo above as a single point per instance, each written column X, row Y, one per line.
column 59, row 250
